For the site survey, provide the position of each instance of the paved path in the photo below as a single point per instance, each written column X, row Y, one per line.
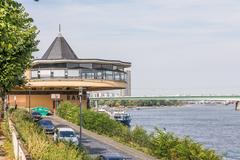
column 97, row 144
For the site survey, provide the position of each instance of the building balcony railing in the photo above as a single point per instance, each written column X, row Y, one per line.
column 78, row 74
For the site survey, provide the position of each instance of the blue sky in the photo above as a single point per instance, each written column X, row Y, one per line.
column 176, row 47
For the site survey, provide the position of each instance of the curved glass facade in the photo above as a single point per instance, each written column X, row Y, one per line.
column 44, row 73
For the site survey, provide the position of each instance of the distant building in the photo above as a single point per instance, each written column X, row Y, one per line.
column 103, row 94
column 127, row 91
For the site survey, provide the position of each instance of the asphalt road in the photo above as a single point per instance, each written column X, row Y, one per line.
column 96, row 144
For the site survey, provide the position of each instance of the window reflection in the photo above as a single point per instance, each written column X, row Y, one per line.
column 45, row 73
column 34, row 74
column 58, row 73
column 73, row 73
column 109, row 75
column 117, row 76
column 99, row 75
column 90, row 75
column 122, row 77
column 78, row 73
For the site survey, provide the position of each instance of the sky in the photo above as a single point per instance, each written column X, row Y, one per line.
column 187, row 47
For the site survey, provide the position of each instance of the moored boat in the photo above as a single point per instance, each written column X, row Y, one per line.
column 122, row 117
column 117, row 114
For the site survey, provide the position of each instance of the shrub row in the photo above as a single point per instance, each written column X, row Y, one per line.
column 94, row 121
column 139, row 102
column 159, row 144
column 39, row 145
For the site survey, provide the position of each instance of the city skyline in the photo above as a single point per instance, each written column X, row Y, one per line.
column 187, row 47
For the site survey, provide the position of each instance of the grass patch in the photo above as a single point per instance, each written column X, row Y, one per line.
column 7, row 147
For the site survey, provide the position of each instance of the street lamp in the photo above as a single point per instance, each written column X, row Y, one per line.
column 80, row 102
column 29, row 100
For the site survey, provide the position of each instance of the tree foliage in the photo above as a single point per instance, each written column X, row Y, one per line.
column 17, row 42
column 117, row 103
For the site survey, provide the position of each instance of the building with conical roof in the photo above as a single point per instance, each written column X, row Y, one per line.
column 59, row 74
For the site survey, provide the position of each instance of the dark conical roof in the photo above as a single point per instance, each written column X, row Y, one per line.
column 59, row 49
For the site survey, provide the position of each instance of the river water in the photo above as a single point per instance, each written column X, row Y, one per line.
column 215, row 126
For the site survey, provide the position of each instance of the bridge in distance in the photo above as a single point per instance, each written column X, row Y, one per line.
column 179, row 98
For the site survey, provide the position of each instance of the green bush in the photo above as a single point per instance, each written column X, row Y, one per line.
column 140, row 136
column 98, row 122
column 168, row 146
column 162, row 145
column 139, row 102
column 39, row 145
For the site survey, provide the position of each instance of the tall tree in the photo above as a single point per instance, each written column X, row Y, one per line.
column 17, row 42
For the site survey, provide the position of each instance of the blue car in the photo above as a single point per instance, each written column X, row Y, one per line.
column 47, row 125
column 36, row 116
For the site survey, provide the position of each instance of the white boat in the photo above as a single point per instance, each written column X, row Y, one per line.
column 117, row 114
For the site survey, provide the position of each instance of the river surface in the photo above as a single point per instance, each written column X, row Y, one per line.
column 215, row 126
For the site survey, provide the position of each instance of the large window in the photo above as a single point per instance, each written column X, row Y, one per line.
column 45, row 73
column 117, row 76
column 103, row 74
column 99, row 75
column 73, row 73
column 78, row 73
column 54, row 65
column 86, row 65
column 58, row 73
column 90, row 75
column 107, row 66
column 122, row 76
column 97, row 66
column 83, row 75
column 73, row 65
column 34, row 74
column 109, row 75
column 115, row 67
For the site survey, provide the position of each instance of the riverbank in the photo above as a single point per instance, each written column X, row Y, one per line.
column 158, row 144
column 214, row 126
column 98, row 144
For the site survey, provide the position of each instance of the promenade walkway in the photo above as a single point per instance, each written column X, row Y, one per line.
column 98, row 144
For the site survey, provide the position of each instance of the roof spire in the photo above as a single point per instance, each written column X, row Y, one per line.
column 59, row 30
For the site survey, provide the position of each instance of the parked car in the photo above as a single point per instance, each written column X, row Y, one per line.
column 42, row 110
column 36, row 116
column 112, row 156
column 66, row 134
column 47, row 125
